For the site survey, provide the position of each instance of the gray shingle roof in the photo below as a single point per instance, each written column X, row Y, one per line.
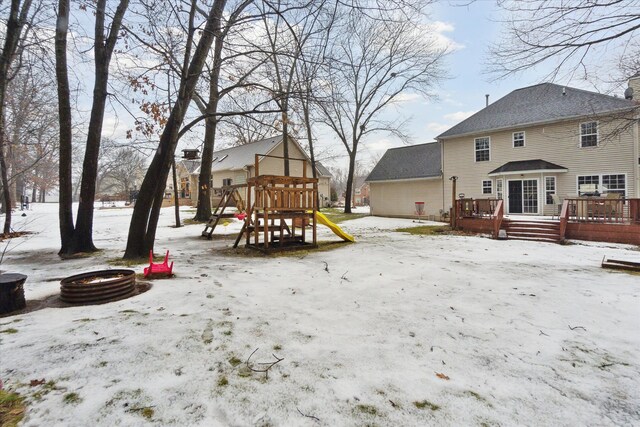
column 527, row 165
column 323, row 171
column 538, row 104
column 242, row 155
column 416, row 161
column 191, row 165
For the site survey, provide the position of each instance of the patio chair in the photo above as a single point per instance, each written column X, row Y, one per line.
column 557, row 202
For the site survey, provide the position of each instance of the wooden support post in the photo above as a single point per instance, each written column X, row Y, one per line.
column 454, row 214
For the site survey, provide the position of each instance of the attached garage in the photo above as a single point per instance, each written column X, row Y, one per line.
column 404, row 176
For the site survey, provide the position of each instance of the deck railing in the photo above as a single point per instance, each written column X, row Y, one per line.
column 603, row 210
column 482, row 208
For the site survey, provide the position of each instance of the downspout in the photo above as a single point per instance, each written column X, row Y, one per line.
column 442, row 172
column 636, row 155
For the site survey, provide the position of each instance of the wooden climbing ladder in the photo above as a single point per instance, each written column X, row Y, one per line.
column 229, row 193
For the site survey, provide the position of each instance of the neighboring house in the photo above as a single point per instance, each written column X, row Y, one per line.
column 324, row 185
column 360, row 195
column 233, row 166
column 186, row 170
column 404, row 176
column 541, row 141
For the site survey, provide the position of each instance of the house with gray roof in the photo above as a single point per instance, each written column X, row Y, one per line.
column 404, row 176
column 545, row 142
column 234, row 165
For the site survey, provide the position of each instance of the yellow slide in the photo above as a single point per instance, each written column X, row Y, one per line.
column 337, row 230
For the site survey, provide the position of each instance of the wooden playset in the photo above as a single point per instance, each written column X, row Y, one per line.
column 280, row 206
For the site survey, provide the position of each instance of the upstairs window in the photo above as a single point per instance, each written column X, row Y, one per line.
column 589, row 134
column 483, row 149
column 518, row 139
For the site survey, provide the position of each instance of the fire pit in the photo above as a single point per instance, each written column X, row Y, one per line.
column 96, row 287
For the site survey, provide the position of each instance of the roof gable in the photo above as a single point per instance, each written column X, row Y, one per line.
column 415, row 161
column 244, row 155
column 541, row 103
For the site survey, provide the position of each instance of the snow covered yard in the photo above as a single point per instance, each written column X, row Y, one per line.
column 395, row 329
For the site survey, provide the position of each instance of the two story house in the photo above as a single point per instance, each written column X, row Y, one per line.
column 543, row 143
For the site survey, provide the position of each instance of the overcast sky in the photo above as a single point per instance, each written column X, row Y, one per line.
column 470, row 30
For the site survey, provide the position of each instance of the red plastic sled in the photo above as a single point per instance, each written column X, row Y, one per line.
column 158, row 268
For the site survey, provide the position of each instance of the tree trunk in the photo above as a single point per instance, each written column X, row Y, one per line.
column 144, row 220
column 349, row 190
column 65, row 210
column 176, row 199
column 203, row 211
column 83, row 234
column 6, row 193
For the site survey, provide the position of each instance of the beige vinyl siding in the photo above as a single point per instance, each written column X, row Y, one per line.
column 557, row 143
column 324, row 191
column 271, row 166
column 397, row 198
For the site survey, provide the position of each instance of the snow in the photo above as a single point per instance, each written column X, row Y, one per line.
column 526, row 332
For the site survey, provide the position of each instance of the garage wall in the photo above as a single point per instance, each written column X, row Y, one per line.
column 397, row 198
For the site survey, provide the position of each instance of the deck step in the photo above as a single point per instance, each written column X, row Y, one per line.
column 544, row 231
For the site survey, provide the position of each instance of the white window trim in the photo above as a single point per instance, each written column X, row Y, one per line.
column 555, row 189
column 502, row 181
column 482, row 186
column 475, row 150
column 599, row 175
column 524, row 139
column 597, row 134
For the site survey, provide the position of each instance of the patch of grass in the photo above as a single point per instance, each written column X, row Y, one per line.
column 147, row 413
column 292, row 253
column 227, row 333
column 72, row 398
column 129, row 311
column 425, row 404
column 277, row 347
column 12, row 408
column 120, row 262
column 9, row 331
column 337, row 215
column 478, row 397
column 425, row 230
column 367, row 409
column 84, row 320
column 103, row 364
column 234, row 361
column 223, row 381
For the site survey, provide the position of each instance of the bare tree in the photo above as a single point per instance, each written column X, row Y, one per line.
column 144, row 220
column 79, row 238
column 572, row 36
column 374, row 61
column 31, row 131
column 16, row 22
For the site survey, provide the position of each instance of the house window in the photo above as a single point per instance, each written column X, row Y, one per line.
column 549, row 188
column 589, row 134
column 588, row 184
column 487, row 187
column 615, row 184
column 499, row 189
column 483, row 148
column 518, row 139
